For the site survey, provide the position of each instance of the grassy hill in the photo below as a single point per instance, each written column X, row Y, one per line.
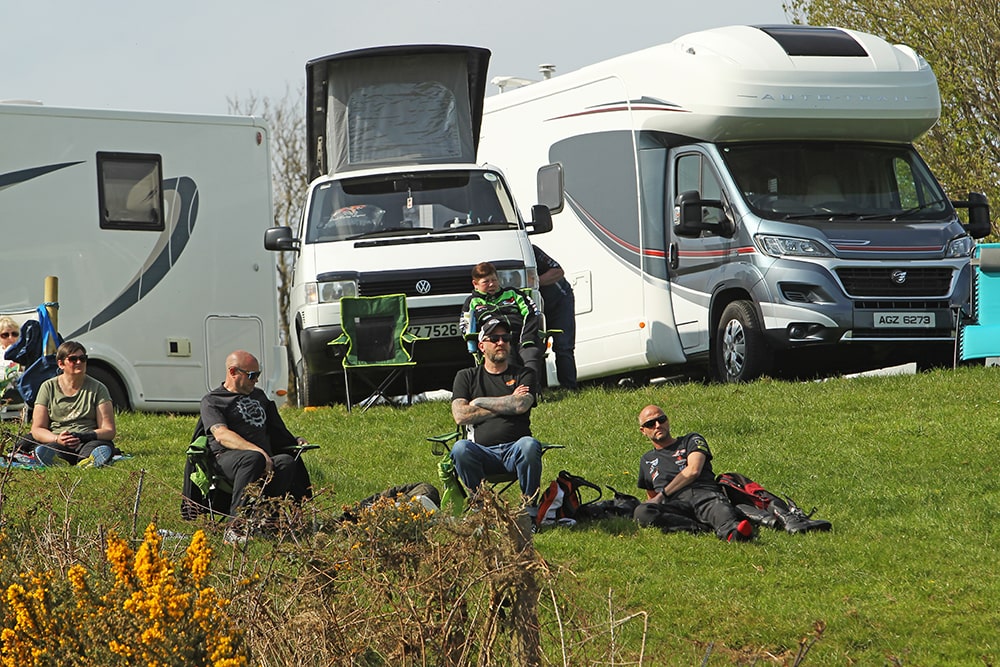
column 904, row 467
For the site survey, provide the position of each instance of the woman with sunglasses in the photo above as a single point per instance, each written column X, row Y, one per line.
column 10, row 332
column 73, row 421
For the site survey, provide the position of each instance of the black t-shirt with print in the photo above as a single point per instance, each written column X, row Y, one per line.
column 253, row 417
column 476, row 382
column 658, row 466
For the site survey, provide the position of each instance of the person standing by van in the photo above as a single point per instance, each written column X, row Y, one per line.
column 559, row 306
column 512, row 306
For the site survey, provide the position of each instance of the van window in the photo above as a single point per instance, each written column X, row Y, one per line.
column 694, row 172
column 407, row 203
column 130, row 191
column 836, row 180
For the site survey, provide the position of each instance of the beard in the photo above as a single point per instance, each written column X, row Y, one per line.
column 498, row 355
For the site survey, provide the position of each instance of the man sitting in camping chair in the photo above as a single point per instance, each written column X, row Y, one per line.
column 245, row 434
column 494, row 401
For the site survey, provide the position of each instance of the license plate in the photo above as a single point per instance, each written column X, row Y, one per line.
column 438, row 330
column 904, row 320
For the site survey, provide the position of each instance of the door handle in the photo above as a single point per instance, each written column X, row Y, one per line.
column 673, row 257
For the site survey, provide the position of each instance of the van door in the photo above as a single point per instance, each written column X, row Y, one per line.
column 226, row 333
column 694, row 263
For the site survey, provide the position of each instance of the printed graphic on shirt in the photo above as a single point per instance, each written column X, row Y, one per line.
column 251, row 411
column 654, row 469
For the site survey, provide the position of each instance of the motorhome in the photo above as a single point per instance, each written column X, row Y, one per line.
column 398, row 205
column 151, row 222
column 747, row 200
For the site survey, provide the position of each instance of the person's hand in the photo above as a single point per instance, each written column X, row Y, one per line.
column 302, row 441
column 67, row 439
column 521, row 390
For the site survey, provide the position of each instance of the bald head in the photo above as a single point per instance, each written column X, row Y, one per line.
column 242, row 372
column 653, row 423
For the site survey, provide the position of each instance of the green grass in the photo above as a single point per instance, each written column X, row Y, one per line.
column 904, row 468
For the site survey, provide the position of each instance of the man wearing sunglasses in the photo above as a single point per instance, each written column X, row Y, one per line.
column 245, row 432
column 681, row 490
column 494, row 401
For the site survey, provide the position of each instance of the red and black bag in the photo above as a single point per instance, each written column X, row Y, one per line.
column 563, row 495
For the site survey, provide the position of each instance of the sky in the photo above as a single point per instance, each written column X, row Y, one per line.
column 194, row 56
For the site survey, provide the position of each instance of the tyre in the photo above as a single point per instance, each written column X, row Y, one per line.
column 740, row 353
column 311, row 390
column 115, row 386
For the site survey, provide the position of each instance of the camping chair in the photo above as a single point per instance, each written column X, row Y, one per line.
column 376, row 339
column 981, row 338
column 441, row 447
column 206, row 488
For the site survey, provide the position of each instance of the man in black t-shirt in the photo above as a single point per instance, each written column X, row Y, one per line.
column 245, row 431
column 559, row 306
column 681, row 491
column 494, row 401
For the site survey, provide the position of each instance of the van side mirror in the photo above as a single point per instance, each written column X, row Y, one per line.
column 551, row 187
column 541, row 219
column 689, row 219
column 280, row 238
column 979, row 214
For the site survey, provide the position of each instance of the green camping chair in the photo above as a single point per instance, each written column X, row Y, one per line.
column 376, row 342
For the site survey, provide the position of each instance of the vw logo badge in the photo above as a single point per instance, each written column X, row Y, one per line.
column 424, row 286
column 898, row 276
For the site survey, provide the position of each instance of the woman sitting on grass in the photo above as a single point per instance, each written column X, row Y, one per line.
column 73, row 421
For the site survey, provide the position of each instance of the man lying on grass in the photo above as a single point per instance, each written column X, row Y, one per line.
column 681, row 490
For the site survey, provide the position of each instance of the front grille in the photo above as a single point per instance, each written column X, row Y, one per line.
column 878, row 281
column 447, row 280
column 901, row 305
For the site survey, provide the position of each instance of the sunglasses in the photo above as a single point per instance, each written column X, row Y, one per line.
column 10, row 334
column 251, row 375
column 655, row 421
column 496, row 338
column 77, row 358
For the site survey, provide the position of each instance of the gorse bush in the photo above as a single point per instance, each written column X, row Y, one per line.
column 141, row 608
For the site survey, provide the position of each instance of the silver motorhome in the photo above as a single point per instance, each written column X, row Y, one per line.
column 747, row 197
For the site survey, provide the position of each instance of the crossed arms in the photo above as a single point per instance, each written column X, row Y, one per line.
column 467, row 412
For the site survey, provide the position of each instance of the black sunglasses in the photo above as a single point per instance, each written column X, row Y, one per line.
column 251, row 375
column 10, row 334
column 496, row 338
column 77, row 358
column 650, row 423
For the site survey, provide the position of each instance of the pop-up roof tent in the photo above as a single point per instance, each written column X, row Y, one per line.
column 394, row 105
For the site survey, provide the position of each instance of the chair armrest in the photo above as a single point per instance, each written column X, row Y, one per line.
column 439, row 442
column 199, row 446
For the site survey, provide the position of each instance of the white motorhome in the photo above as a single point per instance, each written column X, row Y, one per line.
column 398, row 205
column 152, row 223
column 746, row 197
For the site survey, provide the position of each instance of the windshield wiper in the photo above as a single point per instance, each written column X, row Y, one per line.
column 390, row 231
column 906, row 212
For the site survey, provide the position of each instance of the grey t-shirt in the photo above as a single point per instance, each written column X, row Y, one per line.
column 72, row 413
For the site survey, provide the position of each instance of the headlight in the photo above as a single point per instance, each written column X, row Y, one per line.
column 512, row 278
column 788, row 246
column 960, row 247
column 330, row 292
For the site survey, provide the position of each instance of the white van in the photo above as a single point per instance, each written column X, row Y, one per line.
column 151, row 222
column 747, row 198
column 398, row 205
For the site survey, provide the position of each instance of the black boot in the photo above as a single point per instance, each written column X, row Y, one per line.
column 794, row 519
column 760, row 517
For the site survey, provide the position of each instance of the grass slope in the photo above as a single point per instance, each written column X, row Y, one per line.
column 903, row 466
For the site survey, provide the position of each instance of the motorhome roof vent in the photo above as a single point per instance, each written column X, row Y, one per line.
column 799, row 40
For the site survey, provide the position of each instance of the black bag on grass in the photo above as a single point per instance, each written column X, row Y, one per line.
column 765, row 508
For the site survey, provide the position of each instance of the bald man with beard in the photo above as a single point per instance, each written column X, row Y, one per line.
column 245, row 430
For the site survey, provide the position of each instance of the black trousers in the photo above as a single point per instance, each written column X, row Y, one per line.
column 693, row 510
column 244, row 467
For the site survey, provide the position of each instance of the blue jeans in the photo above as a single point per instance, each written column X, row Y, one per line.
column 475, row 462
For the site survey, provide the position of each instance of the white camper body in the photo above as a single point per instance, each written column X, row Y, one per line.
column 398, row 205
column 151, row 222
column 742, row 193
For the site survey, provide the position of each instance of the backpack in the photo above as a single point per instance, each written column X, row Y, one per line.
column 563, row 499
column 764, row 508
